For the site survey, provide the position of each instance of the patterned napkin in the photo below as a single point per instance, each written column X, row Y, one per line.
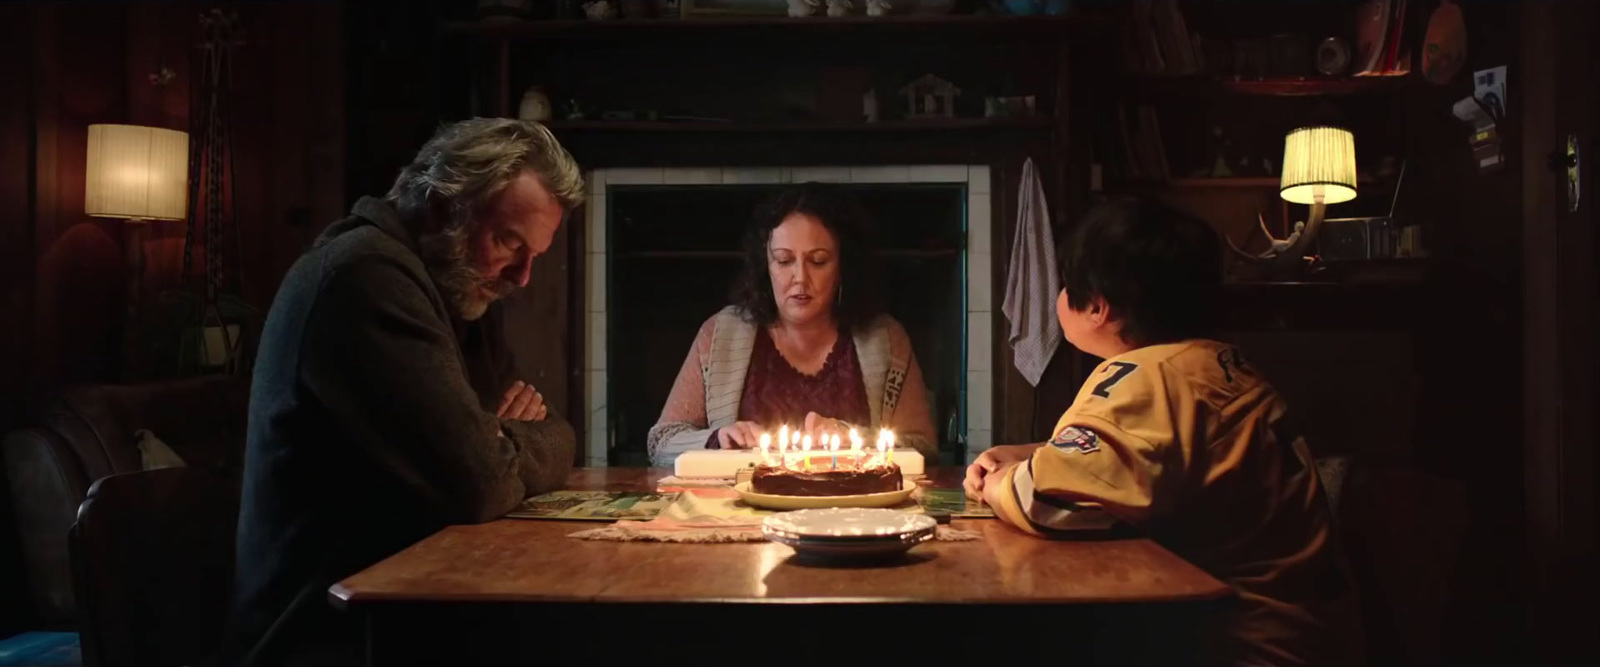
column 712, row 515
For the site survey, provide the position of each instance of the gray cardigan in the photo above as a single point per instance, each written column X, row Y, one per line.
column 710, row 385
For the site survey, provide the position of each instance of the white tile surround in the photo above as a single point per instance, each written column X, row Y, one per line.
column 980, row 310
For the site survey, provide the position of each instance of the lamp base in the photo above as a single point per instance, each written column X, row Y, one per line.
column 1308, row 268
column 1290, row 258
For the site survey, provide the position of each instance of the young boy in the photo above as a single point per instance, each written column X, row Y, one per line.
column 1178, row 435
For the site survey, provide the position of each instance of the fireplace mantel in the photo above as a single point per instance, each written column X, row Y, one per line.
column 976, row 178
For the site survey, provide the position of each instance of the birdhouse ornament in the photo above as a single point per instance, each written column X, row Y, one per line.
column 930, row 97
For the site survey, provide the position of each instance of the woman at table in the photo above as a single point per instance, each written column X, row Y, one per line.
column 805, row 342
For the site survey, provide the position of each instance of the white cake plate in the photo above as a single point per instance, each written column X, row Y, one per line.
column 775, row 502
column 849, row 532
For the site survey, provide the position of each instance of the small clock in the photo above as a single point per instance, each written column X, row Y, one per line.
column 1333, row 56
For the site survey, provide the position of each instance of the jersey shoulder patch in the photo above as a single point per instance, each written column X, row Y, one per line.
column 1076, row 439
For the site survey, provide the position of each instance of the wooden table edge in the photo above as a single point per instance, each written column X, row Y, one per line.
column 345, row 599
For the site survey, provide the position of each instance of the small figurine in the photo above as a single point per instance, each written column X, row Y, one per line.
column 799, row 8
column 877, row 7
column 839, row 7
column 1279, row 249
column 535, row 105
column 600, row 10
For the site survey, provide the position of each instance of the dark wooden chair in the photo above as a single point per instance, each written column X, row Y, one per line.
column 1403, row 530
column 152, row 566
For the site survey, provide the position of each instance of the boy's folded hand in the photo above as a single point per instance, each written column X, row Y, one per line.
column 992, row 459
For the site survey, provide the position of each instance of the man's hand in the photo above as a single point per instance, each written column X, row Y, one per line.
column 991, row 460
column 739, row 435
column 522, row 403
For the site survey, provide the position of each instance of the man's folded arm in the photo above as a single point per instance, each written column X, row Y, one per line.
column 378, row 355
column 545, row 449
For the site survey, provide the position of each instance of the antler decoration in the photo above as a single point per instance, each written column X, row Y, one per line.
column 1283, row 253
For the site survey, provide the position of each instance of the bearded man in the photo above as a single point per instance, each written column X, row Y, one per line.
column 369, row 426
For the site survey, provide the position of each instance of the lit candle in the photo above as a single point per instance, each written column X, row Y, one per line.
column 805, row 446
column 855, row 447
column 890, row 449
column 783, row 445
column 766, row 442
column 834, row 445
column 883, row 445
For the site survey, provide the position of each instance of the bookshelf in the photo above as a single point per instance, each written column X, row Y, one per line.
column 1205, row 91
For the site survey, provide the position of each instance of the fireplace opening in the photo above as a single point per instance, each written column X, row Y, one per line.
column 672, row 256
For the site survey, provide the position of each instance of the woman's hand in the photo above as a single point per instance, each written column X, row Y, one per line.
column 738, row 435
column 822, row 428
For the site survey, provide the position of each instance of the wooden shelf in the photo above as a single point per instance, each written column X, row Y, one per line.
column 1273, row 86
column 1358, row 85
column 1033, row 124
column 1231, row 182
column 767, row 26
column 1256, row 182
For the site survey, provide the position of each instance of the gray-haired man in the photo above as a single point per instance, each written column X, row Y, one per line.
column 366, row 432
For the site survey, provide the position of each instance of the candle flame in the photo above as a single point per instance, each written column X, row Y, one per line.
column 834, row 444
column 855, row 441
column 766, row 442
column 783, row 436
column 805, row 443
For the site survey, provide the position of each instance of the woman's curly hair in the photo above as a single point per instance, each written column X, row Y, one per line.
column 858, row 299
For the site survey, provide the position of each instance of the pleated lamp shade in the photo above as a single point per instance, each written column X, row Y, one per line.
column 1319, row 161
column 137, row 173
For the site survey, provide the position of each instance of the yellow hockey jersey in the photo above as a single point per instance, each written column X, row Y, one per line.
column 1188, row 442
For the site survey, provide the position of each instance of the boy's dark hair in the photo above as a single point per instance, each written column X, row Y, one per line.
column 1159, row 269
column 851, row 226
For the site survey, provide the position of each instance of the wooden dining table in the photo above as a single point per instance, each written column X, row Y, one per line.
column 523, row 591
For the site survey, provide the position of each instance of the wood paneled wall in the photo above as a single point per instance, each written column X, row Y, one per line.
column 63, row 281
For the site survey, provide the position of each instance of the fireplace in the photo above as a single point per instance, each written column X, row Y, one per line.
column 663, row 252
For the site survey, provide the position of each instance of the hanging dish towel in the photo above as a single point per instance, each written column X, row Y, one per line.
column 1032, row 283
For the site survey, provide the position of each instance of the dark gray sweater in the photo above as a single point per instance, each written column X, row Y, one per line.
column 366, row 433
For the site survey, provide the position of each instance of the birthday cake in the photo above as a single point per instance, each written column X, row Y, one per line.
column 823, row 481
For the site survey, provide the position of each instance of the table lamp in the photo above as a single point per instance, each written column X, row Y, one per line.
column 1319, row 168
column 138, row 174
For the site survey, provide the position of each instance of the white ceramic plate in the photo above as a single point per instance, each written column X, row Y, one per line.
column 849, row 532
column 849, row 523
column 885, row 499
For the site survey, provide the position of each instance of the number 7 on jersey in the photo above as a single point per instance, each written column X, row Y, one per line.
column 1119, row 370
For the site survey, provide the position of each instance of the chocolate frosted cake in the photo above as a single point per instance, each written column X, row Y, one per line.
column 772, row 480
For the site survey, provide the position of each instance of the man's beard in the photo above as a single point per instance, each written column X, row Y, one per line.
column 445, row 254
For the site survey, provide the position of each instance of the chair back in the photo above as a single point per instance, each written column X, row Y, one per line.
column 152, row 565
